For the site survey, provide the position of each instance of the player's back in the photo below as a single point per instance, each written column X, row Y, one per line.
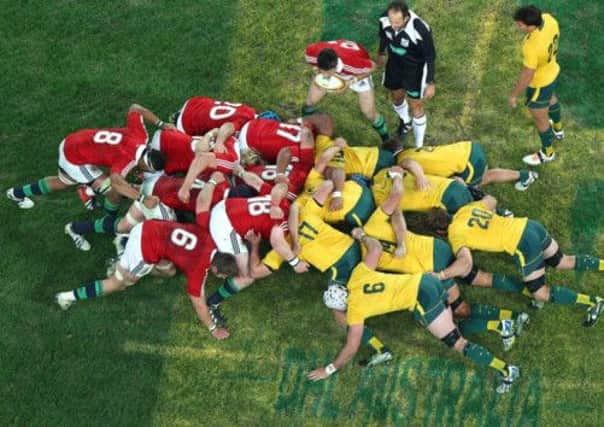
column 254, row 214
column 540, row 49
column 477, row 227
column 268, row 137
column 202, row 114
column 441, row 160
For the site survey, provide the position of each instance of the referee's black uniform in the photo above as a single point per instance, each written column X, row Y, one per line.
column 411, row 55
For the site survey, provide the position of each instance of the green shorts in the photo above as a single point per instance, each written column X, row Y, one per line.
column 443, row 257
column 529, row 253
column 477, row 165
column 431, row 300
column 385, row 160
column 456, row 195
column 361, row 212
column 539, row 97
column 340, row 272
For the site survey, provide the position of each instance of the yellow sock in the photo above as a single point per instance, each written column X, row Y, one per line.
column 527, row 293
column 499, row 365
column 493, row 325
column 376, row 344
column 549, row 150
column 558, row 126
column 584, row 300
column 601, row 266
column 505, row 314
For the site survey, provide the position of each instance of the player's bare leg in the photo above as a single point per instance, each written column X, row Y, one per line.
column 367, row 106
column 523, row 178
column 315, row 94
column 555, row 258
column 419, row 121
column 445, row 330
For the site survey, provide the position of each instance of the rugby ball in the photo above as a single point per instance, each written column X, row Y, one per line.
column 332, row 84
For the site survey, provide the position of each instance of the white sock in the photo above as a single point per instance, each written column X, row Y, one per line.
column 419, row 130
column 402, row 111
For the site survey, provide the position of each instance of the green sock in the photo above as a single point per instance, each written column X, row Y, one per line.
column 508, row 284
column 484, row 311
column 106, row 225
column 307, row 110
column 483, row 357
column 524, row 175
column 587, row 263
column 562, row 295
column 36, row 189
column 546, row 141
column 472, row 326
column 555, row 114
column 109, row 207
column 89, row 290
column 381, row 127
column 227, row 290
column 371, row 341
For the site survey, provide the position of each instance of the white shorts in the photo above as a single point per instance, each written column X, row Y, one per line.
column 81, row 174
column 132, row 258
column 224, row 235
column 364, row 85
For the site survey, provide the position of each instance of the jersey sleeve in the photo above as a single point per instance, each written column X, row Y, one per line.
column 265, row 189
column 196, row 283
column 203, row 219
column 354, row 316
column 427, row 47
column 123, row 165
column 530, row 58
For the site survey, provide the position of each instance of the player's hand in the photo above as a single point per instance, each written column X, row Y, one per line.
column 400, row 251
column 429, row 91
column 512, row 101
column 151, row 201
column 317, row 375
column 276, row 212
column 253, row 237
column 340, row 142
column 301, row 267
column 169, row 126
column 220, row 334
column 357, row 233
column 218, row 177
column 422, row 183
column 281, row 178
column 336, row 204
column 184, row 195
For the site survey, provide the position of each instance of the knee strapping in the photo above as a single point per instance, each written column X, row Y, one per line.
column 469, row 278
column 555, row 259
column 535, row 284
column 451, row 338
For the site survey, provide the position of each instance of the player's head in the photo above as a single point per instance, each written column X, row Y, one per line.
column 398, row 12
column 527, row 18
column 328, row 61
column 336, row 297
column 224, row 265
column 436, row 222
column 152, row 160
column 270, row 115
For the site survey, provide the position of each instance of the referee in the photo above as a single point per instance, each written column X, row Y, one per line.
column 410, row 67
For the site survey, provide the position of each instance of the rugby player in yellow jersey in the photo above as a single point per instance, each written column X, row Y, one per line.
column 539, row 78
column 409, row 253
column 465, row 160
column 370, row 293
column 350, row 201
column 325, row 248
column 477, row 227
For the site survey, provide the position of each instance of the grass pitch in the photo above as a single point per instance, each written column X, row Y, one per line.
column 140, row 358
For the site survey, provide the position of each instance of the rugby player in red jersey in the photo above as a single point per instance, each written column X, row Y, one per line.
column 165, row 246
column 82, row 154
column 350, row 62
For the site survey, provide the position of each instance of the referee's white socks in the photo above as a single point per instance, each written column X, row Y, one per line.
column 402, row 111
column 419, row 130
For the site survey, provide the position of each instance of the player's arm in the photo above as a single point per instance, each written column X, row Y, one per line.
column 258, row 269
column 525, row 78
column 353, row 342
column 283, row 159
column 429, row 55
column 201, row 162
column 249, row 178
column 121, row 186
column 326, row 156
column 421, row 182
column 225, row 132
column 391, row 208
column 338, row 177
column 461, row 267
column 205, row 196
column 203, row 314
column 150, row 117
column 292, row 224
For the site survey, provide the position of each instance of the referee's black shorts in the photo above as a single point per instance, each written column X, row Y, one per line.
column 405, row 75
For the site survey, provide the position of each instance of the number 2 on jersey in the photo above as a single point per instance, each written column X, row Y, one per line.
column 481, row 218
column 552, row 50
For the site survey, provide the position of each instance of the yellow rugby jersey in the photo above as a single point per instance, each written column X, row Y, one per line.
column 371, row 293
column 351, row 194
column 320, row 244
column 420, row 249
column 360, row 160
column 442, row 160
column 413, row 199
column 476, row 227
column 539, row 51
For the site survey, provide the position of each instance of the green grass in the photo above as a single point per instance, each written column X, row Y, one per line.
column 141, row 358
